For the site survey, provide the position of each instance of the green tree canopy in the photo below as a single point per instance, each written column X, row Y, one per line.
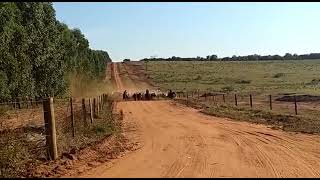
column 37, row 52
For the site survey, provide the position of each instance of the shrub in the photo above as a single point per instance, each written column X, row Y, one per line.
column 278, row 75
column 198, row 77
column 314, row 82
column 243, row 82
column 227, row 89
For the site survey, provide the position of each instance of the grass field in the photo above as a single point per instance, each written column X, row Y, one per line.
column 260, row 79
column 265, row 77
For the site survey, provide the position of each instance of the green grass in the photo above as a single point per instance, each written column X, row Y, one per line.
column 277, row 120
column 243, row 78
column 265, row 77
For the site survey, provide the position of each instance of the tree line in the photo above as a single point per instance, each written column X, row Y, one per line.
column 254, row 57
column 37, row 52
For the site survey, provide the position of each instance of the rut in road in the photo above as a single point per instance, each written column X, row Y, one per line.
column 179, row 141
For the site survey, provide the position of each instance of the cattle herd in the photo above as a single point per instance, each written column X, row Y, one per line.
column 138, row 96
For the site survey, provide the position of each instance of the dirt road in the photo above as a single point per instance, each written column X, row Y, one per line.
column 117, row 80
column 178, row 141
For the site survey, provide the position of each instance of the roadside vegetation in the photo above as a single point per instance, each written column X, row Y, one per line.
column 256, row 77
column 23, row 150
column 275, row 119
column 42, row 57
column 39, row 53
column 281, row 79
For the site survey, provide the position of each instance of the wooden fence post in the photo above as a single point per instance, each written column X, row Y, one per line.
column 224, row 100
column 235, row 99
column 84, row 112
column 33, row 101
column 91, row 110
column 27, row 102
column 13, row 103
column 103, row 100
column 19, row 102
column 250, row 100
column 100, row 101
column 295, row 105
column 102, row 97
column 98, row 105
column 72, row 116
column 270, row 100
column 50, row 128
column 198, row 94
column 94, row 107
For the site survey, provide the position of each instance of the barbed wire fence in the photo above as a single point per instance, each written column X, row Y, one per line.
column 273, row 103
column 32, row 131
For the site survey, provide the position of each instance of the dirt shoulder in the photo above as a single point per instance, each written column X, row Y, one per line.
column 105, row 151
column 178, row 141
column 290, row 123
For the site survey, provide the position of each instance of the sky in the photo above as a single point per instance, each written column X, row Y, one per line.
column 140, row 30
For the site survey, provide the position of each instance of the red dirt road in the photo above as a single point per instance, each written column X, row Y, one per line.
column 179, row 141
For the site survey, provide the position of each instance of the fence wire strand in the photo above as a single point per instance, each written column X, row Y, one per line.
column 22, row 130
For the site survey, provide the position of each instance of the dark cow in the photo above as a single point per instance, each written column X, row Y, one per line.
column 147, row 95
column 171, row 94
column 139, row 96
column 125, row 95
column 162, row 95
column 153, row 95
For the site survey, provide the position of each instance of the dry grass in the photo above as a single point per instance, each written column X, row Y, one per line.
column 278, row 120
column 85, row 131
column 258, row 77
column 20, row 150
column 23, row 149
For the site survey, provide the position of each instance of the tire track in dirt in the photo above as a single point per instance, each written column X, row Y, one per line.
column 118, row 82
column 178, row 141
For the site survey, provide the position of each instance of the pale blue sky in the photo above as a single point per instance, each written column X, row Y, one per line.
column 141, row 29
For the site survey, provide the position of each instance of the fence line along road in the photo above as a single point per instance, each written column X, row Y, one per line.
column 54, row 125
column 203, row 97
